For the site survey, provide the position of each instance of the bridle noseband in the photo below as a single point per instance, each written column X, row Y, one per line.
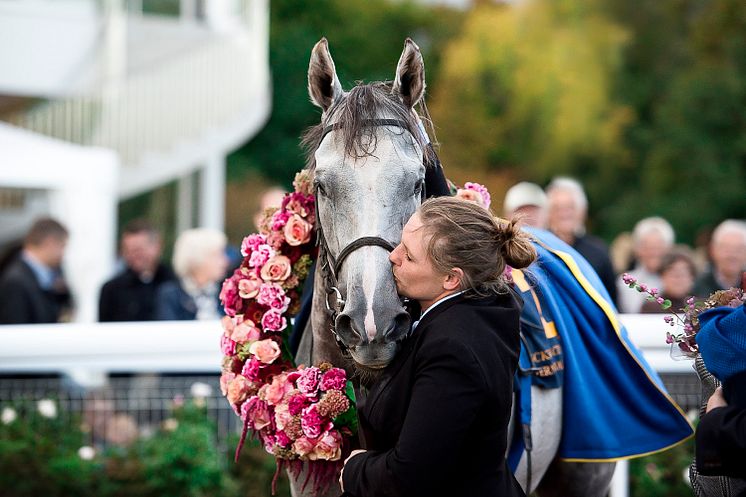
column 330, row 265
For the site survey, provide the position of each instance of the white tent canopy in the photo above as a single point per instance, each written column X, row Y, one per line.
column 81, row 185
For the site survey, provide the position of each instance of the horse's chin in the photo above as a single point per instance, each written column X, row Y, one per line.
column 370, row 361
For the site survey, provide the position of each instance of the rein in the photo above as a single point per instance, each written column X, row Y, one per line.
column 331, row 266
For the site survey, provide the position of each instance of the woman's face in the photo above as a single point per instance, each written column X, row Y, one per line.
column 414, row 273
column 213, row 267
column 677, row 280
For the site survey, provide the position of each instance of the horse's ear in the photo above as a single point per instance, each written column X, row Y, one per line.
column 409, row 82
column 323, row 85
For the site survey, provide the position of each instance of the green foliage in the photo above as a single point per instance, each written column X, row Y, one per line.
column 662, row 474
column 40, row 456
column 366, row 39
column 644, row 103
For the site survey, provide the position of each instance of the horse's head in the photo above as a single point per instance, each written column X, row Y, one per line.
column 368, row 154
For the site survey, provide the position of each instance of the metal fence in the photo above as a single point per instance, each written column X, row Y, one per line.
column 127, row 406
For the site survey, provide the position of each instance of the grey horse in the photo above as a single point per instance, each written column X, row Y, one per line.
column 369, row 155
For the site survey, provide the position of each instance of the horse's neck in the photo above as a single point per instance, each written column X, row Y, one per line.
column 324, row 348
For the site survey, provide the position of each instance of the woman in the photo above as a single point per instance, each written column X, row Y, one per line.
column 436, row 421
column 200, row 263
column 678, row 274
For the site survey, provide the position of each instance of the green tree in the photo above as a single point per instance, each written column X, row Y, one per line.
column 366, row 39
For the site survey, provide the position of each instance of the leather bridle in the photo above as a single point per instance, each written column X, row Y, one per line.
column 331, row 265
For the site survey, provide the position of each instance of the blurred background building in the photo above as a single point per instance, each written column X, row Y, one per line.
column 102, row 101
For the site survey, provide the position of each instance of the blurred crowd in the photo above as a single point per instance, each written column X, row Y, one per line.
column 145, row 288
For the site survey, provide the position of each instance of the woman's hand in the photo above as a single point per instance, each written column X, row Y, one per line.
column 352, row 454
column 717, row 399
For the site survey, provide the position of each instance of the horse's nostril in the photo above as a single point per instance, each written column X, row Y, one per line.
column 400, row 328
column 346, row 331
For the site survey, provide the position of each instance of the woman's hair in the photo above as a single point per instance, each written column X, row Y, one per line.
column 465, row 235
column 675, row 255
column 193, row 246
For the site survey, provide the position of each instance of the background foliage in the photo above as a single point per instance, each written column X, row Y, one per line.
column 643, row 102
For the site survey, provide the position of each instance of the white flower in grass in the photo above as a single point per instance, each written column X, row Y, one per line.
column 8, row 416
column 170, row 424
column 47, row 408
column 86, row 453
column 201, row 390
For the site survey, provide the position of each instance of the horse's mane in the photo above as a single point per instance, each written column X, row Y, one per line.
column 361, row 104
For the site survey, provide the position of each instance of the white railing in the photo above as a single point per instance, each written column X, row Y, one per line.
column 194, row 346
column 87, row 352
column 157, row 109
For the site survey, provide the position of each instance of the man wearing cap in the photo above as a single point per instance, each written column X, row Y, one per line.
column 528, row 201
column 721, row 434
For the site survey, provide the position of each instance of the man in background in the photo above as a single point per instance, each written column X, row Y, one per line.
column 131, row 295
column 529, row 202
column 652, row 239
column 566, row 215
column 727, row 259
column 32, row 289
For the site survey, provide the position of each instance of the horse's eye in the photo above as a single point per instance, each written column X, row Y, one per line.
column 319, row 188
column 418, row 187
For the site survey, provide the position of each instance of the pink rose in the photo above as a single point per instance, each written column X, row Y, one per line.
column 225, row 380
column 248, row 287
column 328, row 447
column 308, row 383
column 229, row 296
column 297, row 231
column 265, row 350
column 238, row 390
column 277, row 268
column 260, row 256
column 227, row 346
column 334, row 379
column 302, row 446
column 251, row 243
column 273, row 321
column 274, row 392
column 257, row 413
column 282, row 416
column 246, row 331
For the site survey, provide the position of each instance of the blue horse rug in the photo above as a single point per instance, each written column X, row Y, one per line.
column 614, row 404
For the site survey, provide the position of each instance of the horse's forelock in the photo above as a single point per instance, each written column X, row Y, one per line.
column 363, row 103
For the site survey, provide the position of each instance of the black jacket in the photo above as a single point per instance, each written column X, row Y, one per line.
column 435, row 423
column 596, row 253
column 721, row 434
column 127, row 298
column 24, row 301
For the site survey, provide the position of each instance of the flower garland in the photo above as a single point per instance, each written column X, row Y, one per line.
column 298, row 413
column 687, row 317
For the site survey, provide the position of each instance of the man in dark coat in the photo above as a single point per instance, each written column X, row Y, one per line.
column 32, row 289
column 566, row 214
column 131, row 295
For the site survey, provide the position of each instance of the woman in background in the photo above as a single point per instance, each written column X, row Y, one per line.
column 200, row 262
